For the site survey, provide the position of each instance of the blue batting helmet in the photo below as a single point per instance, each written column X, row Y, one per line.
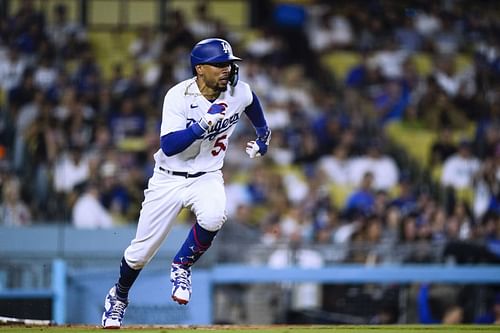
column 211, row 51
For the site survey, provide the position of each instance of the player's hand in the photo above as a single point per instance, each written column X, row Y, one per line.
column 213, row 115
column 258, row 147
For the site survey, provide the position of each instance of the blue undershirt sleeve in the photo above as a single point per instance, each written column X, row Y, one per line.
column 255, row 114
column 175, row 142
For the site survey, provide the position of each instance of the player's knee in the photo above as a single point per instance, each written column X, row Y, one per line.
column 136, row 262
column 212, row 222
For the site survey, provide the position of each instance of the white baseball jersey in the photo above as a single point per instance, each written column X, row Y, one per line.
column 184, row 105
column 167, row 194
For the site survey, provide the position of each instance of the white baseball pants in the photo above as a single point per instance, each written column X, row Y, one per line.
column 164, row 198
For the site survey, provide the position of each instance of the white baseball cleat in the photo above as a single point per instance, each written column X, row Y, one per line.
column 114, row 310
column 180, row 276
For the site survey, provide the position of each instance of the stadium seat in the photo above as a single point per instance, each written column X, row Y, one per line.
column 339, row 194
column 339, row 62
column 416, row 141
column 423, row 63
column 111, row 47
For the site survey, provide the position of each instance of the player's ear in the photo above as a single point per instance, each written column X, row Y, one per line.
column 198, row 69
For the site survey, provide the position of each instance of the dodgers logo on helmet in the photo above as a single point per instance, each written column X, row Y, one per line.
column 210, row 51
column 226, row 48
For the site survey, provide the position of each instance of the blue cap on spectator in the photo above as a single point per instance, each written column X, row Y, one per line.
column 465, row 143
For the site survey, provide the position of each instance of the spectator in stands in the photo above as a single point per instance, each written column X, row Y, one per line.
column 67, row 103
column 390, row 59
column 487, row 187
column 488, row 142
column 366, row 242
column 30, row 41
column 437, row 110
column 203, row 25
column 71, row 50
column 271, row 230
column 460, row 169
column 71, row 169
column 330, row 31
column 114, row 193
column 392, row 101
column 452, row 81
column 79, row 126
column 13, row 211
column 12, row 69
column 488, row 251
column 87, row 77
column 179, row 35
column 405, row 199
column 45, row 75
column 365, row 74
column 407, row 36
column 307, row 150
column 281, row 154
column 25, row 17
column 43, row 140
column 266, row 48
column 26, row 116
column 362, row 200
column 146, row 47
column 336, row 166
column 391, row 231
column 382, row 166
column 438, row 224
column 427, row 21
column 448, row 39
column 463, row 215
column 61, row 29
column 329, row 129
column 442, row 148
column 128, row 121
column 88, row 212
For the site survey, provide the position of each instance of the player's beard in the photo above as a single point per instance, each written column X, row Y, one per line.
column 221, row 87
column 216, row 85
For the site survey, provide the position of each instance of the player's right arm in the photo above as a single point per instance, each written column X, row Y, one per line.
column 173, row 142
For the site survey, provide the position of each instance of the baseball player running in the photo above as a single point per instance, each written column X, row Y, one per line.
column 199, row 115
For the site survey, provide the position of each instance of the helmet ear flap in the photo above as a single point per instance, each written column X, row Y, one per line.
column 234, row 74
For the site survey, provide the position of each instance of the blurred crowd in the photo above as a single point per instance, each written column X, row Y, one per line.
column 77, row 146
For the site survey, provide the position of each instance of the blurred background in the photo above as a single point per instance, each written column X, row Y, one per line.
column 385, row 154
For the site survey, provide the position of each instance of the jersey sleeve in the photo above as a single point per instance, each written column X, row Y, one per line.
column 173, row 113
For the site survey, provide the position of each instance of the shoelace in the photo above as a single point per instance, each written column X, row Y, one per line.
column 118, row 310
column 182, row 277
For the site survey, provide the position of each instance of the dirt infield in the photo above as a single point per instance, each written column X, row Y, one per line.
column 260, row 329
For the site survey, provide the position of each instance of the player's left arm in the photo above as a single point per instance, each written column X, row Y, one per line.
column 254, row 112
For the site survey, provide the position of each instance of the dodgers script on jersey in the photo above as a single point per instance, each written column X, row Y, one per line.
column 184, row 105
